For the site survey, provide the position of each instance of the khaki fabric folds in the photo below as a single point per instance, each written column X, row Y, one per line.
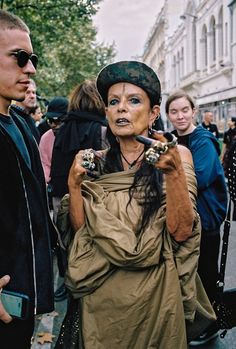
column 136, row 292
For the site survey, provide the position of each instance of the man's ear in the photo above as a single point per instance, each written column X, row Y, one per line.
column 154, row 114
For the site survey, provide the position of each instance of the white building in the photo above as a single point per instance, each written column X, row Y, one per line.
column 193, row 46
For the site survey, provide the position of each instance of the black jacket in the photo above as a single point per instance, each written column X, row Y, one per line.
column 28, row 119
column 26, row 230
column 81, row 130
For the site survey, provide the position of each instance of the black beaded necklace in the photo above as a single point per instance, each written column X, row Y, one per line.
column 133, row 163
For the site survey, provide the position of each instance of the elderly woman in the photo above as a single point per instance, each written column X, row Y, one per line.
column 133, row 256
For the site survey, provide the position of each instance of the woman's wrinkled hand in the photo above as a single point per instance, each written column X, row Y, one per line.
column 84, row 163
column 77, row 171
column 4, row 316
column 170, row 160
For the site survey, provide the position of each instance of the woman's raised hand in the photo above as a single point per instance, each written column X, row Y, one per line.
column 169, row 160
column 77, row 171
column 163, row 152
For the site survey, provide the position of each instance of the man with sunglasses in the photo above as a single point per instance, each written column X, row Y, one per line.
column 27, row 233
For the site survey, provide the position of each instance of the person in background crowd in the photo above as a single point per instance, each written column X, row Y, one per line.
column 23, row 108
column 135, row 232
column 26, row 229
column 84, row 127
column 55, row 116
column 208, row 123
column 43, row 126
column 229, row 160
column 30, row 100
column 212, row 193
column 36, row 114
column 228, row 139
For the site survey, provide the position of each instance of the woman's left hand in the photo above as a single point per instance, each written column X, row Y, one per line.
column 168, row 160
column 179, row 209
column 168, row 154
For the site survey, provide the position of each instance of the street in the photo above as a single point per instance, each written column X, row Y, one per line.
column 50, row 323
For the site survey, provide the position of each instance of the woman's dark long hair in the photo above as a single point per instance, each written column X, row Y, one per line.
column 147, row 180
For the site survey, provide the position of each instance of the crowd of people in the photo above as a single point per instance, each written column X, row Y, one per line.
column 131, row 211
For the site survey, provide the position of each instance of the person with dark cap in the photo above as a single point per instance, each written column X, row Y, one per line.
column 55, row 115
column 135, row 231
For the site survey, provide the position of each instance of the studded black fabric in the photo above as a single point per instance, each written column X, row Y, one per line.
column 70, row 336
column 231, row 174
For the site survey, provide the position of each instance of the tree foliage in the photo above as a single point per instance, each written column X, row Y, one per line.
column 64, row 38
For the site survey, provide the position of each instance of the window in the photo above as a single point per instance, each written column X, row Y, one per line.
column 220, row 32
column 204, row 47
column 194, row 46
column 226, row 39
column 182, row 62
column 212, row 39
column 178, row 68
column 174, row 70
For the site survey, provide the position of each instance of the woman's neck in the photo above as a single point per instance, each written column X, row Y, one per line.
column 187, row 131
column 131, row 154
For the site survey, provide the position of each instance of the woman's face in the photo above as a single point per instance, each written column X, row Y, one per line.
column 181, row 115
column 128, row 111
column 37, row 116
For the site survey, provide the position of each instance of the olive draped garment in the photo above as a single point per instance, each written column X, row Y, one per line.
column 136, row 291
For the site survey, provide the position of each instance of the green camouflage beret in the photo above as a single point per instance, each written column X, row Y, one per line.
column 133, row 72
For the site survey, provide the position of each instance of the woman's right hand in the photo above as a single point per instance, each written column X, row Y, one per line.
column 4, row 316
column 77, row 171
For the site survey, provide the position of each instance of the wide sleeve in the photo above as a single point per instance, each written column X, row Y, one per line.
column 197, row 308
column 87, row 267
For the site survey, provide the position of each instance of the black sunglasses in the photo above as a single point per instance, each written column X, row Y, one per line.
column 54, row 121
column 23, row 58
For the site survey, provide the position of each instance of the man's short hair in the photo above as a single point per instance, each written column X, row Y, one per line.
column 10, row 21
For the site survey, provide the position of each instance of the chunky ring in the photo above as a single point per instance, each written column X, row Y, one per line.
column 153, row 154
column 88, row 160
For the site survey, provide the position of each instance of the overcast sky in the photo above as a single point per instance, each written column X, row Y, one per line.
column 127, row 23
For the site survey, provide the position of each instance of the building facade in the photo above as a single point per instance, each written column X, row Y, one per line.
column 192, row 46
